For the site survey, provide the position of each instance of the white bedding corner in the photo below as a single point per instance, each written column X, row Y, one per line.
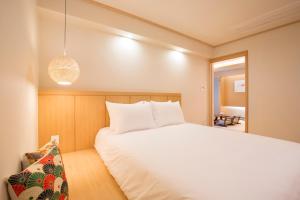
column 189, row 161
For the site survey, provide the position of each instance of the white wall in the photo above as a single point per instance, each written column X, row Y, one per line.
column 113, row 63
column 274, row 81
column 18, row 85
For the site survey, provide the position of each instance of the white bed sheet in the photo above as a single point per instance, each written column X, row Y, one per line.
column 196, row 162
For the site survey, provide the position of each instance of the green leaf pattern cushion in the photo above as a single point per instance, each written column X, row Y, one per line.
column 44, row 179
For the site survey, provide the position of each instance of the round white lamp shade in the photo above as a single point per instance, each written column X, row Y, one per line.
column 64, row 70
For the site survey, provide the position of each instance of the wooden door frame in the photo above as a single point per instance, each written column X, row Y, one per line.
column 211, row 84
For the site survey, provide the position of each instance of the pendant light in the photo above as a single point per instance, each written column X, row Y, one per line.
column 64, row 70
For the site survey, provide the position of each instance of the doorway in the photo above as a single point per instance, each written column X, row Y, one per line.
column 229, row 92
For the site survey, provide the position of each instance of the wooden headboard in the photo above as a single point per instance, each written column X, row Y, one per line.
column 77, row 116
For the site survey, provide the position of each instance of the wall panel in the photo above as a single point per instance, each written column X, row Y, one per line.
column 89, row 117
column 56, row 117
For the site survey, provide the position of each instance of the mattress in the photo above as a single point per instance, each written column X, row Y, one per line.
column 196, row 162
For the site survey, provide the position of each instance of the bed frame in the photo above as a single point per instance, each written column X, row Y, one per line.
column 76, row 116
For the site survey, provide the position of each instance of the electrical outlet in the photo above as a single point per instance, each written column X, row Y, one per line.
column 55, row 139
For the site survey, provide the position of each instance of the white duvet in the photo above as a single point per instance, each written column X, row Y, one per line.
column 196, row 162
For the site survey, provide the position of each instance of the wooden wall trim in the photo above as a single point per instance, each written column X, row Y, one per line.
column 105, row 93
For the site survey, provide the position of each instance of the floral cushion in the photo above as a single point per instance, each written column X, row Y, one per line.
column 45, row 179
column 30, row 158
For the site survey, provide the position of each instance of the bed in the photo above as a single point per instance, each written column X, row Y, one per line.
column 189, row 161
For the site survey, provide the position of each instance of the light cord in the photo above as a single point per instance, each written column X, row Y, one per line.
column 65, row 37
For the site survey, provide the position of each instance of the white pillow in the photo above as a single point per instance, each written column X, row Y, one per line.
column 167, row 113
column 129, row 117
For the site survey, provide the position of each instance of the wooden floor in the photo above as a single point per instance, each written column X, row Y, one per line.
column 88, row 177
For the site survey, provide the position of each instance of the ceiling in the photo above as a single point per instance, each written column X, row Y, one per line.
column 213, row 21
